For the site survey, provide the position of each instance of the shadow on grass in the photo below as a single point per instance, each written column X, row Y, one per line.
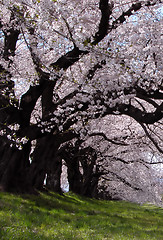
column 54, row 216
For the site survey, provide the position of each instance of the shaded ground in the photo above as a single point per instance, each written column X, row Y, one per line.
column 53, row 216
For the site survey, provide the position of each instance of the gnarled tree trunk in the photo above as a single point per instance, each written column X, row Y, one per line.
column 54, row 170
column 14, row 165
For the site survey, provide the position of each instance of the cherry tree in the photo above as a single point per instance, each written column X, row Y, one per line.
column 66, row 64
column 126, row 160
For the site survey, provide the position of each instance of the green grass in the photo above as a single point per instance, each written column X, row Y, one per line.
column 52, row 216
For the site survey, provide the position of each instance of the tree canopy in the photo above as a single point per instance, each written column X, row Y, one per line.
column 80, row 81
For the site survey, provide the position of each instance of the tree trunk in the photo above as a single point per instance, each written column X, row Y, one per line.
column 73, row 172
column 45, row 162
column 82, row 179
column 74, row 176
column 14, row 169
column 53, row 181
column 90, row 180
column 37, row 171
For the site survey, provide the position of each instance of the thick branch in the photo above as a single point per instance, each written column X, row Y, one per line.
column 68, row 59
column 9, row 115
column 122, row 180
column 141, row 116
column 151, row 138
column 28, row 101
column 108, row 139
column 11, row 38
column 134, row 8
column 154, row 94
column 106, row 11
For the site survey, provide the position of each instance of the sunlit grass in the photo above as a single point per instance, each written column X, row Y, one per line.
column 53, row 216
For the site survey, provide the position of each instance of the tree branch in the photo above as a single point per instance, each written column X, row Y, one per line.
column 68, row 59
column 123, row 181
column 134, row 8
column 151, row 138
column 107, row 139
column 154, row 94
column 11, row 37
column 106, row 11
column 141, row 116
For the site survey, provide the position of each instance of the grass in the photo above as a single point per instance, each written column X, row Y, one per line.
column 52, row 216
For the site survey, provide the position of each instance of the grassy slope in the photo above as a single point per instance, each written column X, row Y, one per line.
column 51, row 216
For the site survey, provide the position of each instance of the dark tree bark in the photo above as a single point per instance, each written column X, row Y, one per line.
column 11, row 38
column 73, row 171
column 45, row 162
column 54, row 170
column 82, row 170
column 37, row 171
column 90, row 179
column 14, row 165
column 74, row 175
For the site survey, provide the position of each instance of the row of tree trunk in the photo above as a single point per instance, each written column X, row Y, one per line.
column 25, row 172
